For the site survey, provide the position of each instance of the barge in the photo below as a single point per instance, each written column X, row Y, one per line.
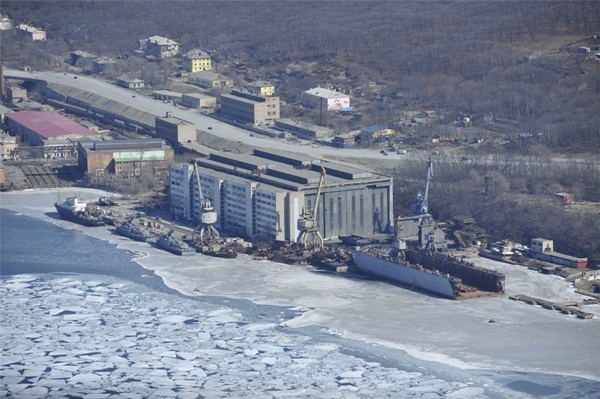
column 432, row 272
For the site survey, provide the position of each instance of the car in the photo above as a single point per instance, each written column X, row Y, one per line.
column 133, row 96
column 210, row 128
column 74, row 77
column 384, row 153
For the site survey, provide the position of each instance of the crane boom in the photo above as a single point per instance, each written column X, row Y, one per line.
column 420, row 205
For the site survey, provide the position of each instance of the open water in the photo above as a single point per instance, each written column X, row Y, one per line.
column 35, row 247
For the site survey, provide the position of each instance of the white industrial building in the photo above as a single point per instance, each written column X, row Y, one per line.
column 325, row 99
column 262, row 195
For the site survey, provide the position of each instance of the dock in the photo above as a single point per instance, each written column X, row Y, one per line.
column 566, row 307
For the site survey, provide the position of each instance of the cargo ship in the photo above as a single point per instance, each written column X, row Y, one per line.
column 432, row 272
column 76, row 210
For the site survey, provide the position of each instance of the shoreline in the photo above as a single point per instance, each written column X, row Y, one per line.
column 317, row 311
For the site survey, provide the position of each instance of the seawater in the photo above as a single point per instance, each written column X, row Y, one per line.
column 32, row 246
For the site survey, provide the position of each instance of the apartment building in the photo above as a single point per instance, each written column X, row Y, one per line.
column 196, row 61
column 246, row 107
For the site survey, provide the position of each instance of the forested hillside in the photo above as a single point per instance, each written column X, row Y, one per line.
column 517, row 61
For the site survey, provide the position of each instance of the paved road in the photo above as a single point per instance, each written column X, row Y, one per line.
column 238, row 135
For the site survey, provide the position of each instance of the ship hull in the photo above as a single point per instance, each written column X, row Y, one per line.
column 132, row 235
column 175, row 250
column 78, row 218
column 407, row 275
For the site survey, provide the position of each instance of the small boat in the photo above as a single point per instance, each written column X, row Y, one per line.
column 76, row 210
column 105, row 201
column 174, row 244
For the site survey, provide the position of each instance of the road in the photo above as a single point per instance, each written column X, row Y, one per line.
column 237, row 135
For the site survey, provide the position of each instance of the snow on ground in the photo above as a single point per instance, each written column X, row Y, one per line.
column 456, row 333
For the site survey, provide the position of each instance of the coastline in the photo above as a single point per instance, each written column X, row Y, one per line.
column 343, row 305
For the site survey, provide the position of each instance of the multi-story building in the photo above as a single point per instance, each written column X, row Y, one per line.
column 209, row 80
column 261, row 196
column 8, row 146
column 198, row 100
column 175, row 130
column 161, row 47
column 31, row 32
column 56, row 135
column 246, row 107
column 196, row 61
column 261, row 88
column 325, row 99
column 124, row 158
column 302, row 129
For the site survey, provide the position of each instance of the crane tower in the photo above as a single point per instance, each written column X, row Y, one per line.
column 420, row 205
column 208, row 216
column 307, row 224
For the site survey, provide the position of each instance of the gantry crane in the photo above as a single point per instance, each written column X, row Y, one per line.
column 307, row 224
column 420, row 205
column 208, row 216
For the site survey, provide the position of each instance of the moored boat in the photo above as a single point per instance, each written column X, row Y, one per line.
column 76, row 210
column 134, row 230
column 172, row 243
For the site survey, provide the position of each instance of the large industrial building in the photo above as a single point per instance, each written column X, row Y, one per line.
column 124, row 158
column 262, row 195
column 246, row 107
column 175, row 130
column 56, row 135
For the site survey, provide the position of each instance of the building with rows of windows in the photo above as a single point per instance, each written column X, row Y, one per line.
column 261, row 195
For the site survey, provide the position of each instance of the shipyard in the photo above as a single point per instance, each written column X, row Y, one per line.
column 328, row 199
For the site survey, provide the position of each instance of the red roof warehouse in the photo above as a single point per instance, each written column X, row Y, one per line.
column 48, row 129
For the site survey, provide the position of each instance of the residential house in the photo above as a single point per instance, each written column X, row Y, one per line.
column 161, row 47
column 31, row 32
column 129, row 83
column 196, row 61
column 209, row 80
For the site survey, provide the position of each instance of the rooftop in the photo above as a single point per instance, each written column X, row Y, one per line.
column 197, row 54
column 162, row 41
column 208, row 75
column 48, row 124
column 322, row 92
column 124, row 145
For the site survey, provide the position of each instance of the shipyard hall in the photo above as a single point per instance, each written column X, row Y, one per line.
column 261, row 196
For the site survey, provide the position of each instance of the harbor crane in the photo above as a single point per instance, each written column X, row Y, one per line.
column 307, row 224
column 208, row 216
column 420, row 205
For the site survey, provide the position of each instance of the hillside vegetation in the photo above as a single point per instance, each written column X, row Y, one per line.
column 494, row 60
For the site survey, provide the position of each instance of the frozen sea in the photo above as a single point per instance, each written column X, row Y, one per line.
column 89, row 314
